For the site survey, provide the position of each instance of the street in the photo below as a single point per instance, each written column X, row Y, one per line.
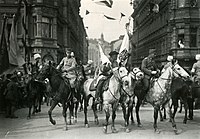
column 39, row 126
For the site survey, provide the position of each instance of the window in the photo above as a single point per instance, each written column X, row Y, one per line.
column 34, row 26
column 193, row 37
column 181, row 3
column 46, row 27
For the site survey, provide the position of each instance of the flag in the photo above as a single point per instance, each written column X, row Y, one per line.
column 14, row 53
column 103, row 58
column 87, row 12
column 110, row 18
column 107, row 3
column 124, row 51
column 4, row 62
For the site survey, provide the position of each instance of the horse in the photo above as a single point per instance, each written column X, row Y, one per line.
column 81, row 78
column 35, row 92
column 61, row 88
column 121, row 82
column 159, row 93
column 128, row 99
column 195, row 93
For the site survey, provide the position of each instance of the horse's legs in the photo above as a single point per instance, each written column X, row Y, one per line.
column 94, row 108
column 71, row 111
column 131, row 111
column 86, row 99
column 172, row 119
column 81, row 103
column 164, row 110
column 175, row 104
column 114, row 108
column 186, row 109
column 191, row 107
column 76, row 110
column 64, row 112
column 107, row 112
column 181, row 106
column 161, row 116
column 137, row 108
column 54, row 103
column 156, row 109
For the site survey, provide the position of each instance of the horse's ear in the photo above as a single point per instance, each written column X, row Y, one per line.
column 174, row 61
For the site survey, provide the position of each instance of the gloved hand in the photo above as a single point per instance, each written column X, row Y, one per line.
column 153, row 72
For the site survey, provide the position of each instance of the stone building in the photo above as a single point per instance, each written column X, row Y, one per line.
column 166, row 25
column 53, row 26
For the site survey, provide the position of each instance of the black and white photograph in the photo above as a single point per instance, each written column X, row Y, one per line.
column 100, row 69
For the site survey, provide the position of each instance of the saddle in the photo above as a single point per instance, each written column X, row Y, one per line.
column 105, row 85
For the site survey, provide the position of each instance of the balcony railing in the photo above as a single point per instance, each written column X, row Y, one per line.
column 186, row 53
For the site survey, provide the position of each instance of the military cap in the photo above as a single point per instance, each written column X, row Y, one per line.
column 113, row 53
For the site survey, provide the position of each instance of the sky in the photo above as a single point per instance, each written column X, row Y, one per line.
column 97, row 23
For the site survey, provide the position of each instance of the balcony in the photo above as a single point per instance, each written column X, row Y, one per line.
column 185, row 53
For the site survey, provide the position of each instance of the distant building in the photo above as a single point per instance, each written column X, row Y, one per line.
column 53, row 26
column 93, row 49
column 167, row 25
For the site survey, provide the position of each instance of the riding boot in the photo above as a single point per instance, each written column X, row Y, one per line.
column 99, row 91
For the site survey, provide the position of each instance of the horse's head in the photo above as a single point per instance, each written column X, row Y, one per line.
column 178, row 71
column 138, row 73
column 45, row 72
column 80, row 73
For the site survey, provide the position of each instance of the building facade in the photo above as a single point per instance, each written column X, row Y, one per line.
column 166, row 25
column 52, row 26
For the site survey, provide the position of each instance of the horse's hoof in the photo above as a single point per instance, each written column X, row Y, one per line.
column 53, row 122
column 139, row 125
column 65, row 128
column 75, row 120
column 177, row 132
column 190, row 118
column 28, row 117
column 114, row 130
column 127, row 130
column 87, row 125
column 184, row 121
column 97, row 121
column 133, row 123
column 179, row 111
column 105, row 129
column 161, row 119
column 157, row 131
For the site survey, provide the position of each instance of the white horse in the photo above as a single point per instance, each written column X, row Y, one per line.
column 120, row 79
column 159, row 93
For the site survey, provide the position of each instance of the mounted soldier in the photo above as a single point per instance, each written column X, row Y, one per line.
column 67, row 66
column 89, row 69
column 105, row 72
column 36, row 65
column 149, row 68
column 196, row 70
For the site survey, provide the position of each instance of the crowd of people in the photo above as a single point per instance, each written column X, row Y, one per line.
column 12, row 86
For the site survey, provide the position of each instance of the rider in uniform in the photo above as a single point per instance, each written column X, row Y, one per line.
column 149, row 68
column 89, row 69
column 68, row 65
column 196, row 69
column 105, row 72
column 36, row 65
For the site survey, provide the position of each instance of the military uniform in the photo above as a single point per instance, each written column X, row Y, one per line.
column 148, row 65
column 68, row 66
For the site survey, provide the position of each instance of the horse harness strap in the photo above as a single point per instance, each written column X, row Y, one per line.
column 127, row 93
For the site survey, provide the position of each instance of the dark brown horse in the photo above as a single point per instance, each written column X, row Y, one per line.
column 35, row 91
column 195, row 92
column 60, row 87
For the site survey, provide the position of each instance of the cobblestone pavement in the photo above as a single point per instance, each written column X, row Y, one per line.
column 39, row 126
